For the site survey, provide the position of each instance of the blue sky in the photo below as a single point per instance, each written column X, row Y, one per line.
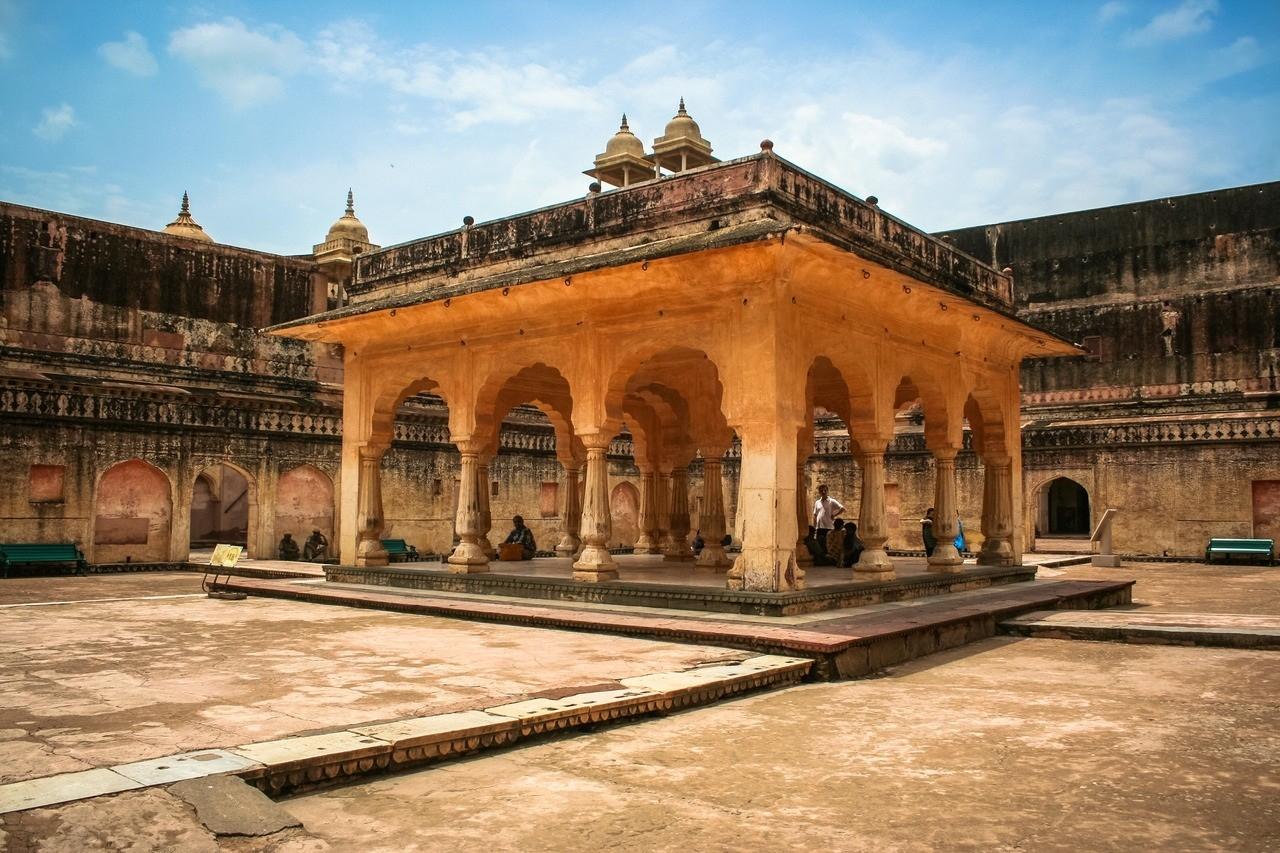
column 952, row 113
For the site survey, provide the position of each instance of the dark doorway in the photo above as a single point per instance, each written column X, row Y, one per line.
column 1068, row 508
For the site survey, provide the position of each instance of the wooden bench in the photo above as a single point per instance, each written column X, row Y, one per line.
column 1262, row 549
column 399, row 551
column 48, row 554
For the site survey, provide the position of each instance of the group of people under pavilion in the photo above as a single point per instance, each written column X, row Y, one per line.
column 728, row 300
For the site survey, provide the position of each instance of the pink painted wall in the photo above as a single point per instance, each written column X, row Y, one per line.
column 133, row 512
column 304, row 502
column 624, row 506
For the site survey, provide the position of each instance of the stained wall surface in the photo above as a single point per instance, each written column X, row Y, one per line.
column 120, row 343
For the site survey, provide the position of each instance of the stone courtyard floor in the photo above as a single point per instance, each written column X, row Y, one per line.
column 1004, row 744
column 158, row 668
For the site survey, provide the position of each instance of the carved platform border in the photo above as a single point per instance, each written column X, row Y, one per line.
column 827, row 597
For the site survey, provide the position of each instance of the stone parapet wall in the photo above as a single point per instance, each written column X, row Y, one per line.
column 698, row 201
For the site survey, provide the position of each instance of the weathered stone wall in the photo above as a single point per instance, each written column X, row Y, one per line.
column 119, row 344
column 1172, row 434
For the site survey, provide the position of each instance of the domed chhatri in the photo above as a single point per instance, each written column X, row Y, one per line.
column 623, row 162
column 347, row 238
column 681, row 145
column 348, row 226
column 185, row 226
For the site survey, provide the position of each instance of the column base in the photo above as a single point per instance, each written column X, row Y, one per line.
column 467, row 556
column 684, row 555
column 646, row 545
column 595, row 565
column 369, row 552
column 758, row 571
column 467, row 568
column 713, row 557
column 999, row 554
column 568, row 546
column 874, row 565
column 873, row 575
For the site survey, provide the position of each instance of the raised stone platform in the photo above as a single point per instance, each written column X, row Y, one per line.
column 1223, row 630
column 843, row 644
column 679, row 592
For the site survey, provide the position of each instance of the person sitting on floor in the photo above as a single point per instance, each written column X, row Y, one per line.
column 816, row 549
column 288, row 548
column 522, row 536
column 853, row 546
column 835, row 544
column 698, row 543
column 316, row 548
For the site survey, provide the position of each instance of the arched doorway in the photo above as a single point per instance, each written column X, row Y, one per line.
column 624, row 509
column 220, row 501
column 304, row 502
column 133, row 510
column 1066, row 505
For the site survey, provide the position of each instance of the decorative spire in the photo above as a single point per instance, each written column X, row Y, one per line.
column 351, row 203
column 681, row 111
column 184, row 225
column 624, row 123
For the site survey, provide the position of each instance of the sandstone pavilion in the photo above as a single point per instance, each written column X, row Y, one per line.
column 704, row 307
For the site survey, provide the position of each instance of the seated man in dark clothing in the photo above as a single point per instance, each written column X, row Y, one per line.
column 853, row 546
column 522, row 536
column 288, row 548
column 698, row 543
column 816, row 549
column 316, row 547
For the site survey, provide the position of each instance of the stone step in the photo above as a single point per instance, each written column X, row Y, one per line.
column 291, row 764
column 1224, row 630
column 851, row 643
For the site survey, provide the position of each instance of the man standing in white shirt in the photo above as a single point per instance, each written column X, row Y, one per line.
column 826, row 510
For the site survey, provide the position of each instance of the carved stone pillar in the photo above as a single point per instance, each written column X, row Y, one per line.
column 469, row 556
column 569, row 542
column 662, row 505
column 997, row 512
column 678, row 549
column 647, row 543
column 874, row 563
column 803, row 556
column 486, row 519
column 712, row 520
column 945, row 556
column 370, row 522
column 595, row 563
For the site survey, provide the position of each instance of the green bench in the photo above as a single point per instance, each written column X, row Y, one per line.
column 48, row 554
column 1261, row 549
column 398, row 551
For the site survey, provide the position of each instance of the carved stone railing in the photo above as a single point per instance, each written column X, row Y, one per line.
column 22, row 399
column 756, row 187
column 1261, row 428
column 164, row 410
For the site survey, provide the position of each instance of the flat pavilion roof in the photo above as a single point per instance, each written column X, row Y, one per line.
column 740, row 201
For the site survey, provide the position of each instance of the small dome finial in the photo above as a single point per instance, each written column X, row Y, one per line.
column 624, row 123
column 681, row 111
column 184, row 225
column 351, row 203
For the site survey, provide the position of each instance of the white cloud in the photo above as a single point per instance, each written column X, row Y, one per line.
column 1243, row 54
column 55, row 122
column 130, row 55
column 1188, row 18
column 1110, row 11
column 245, row 67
